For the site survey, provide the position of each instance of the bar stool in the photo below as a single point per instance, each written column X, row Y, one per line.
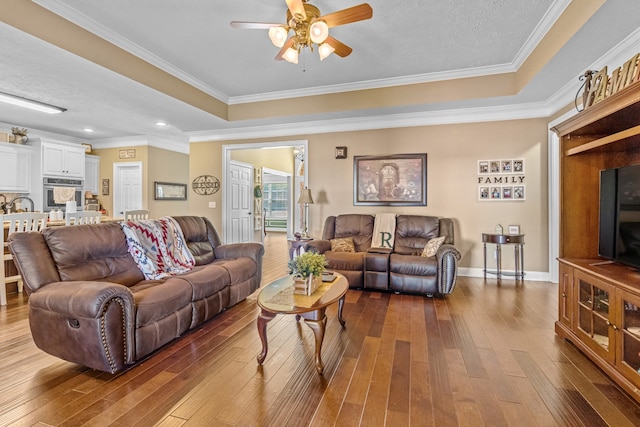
column 18, row 222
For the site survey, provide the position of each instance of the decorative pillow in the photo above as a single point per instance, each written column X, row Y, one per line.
column 344, row 244
column 432, row 246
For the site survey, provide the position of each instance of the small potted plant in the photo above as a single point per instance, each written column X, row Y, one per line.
column 19, row 135
column 307, row 271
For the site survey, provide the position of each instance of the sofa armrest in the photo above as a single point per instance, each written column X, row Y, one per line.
column 90, row 323
column 319, row 246
column 447, row 258
column 239, row 250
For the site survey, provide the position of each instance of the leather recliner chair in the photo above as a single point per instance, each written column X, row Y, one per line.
column 401, row 269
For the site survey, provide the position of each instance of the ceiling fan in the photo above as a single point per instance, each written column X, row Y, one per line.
column 309, row 29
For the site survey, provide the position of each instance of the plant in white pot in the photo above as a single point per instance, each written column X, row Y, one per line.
column 307, row 271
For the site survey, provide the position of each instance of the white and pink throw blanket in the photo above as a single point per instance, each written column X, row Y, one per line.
column 158, row 247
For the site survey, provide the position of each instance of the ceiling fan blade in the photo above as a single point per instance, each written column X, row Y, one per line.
column 286, row 46
column 346, row 16
column 297, row 8
column 253, row 25
column 341, row 49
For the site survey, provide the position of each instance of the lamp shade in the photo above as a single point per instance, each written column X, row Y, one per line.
column 278, row 36
column 305, row 197
column 318, row 32
column 325, row 50
column 291, row 55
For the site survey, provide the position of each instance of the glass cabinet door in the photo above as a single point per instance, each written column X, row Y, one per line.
column 629, row 352
column 565, row 295
column 593, row 317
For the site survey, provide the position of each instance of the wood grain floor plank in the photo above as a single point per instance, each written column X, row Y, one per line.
column 485, row 355
column 374, row 411
column 400, row 379
column 358, row 390
column 331, row 402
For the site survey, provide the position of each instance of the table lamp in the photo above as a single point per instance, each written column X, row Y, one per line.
column 306, row 200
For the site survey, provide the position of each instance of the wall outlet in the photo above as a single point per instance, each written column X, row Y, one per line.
column 212, row 205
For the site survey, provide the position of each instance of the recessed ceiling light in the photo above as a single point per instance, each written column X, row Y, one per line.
column 88, row 130
column 161, row 123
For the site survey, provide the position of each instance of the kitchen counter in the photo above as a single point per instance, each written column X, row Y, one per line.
column 59, row 223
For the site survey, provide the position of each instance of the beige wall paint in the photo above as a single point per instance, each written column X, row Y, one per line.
column 453, row 152
column 157, row 165
column 167, row 166
column 277, row 158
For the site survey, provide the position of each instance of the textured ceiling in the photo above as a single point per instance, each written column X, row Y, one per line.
column 406, row 41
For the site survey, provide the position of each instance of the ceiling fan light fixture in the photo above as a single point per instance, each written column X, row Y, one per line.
column 319, row 31
column 278, row 36
column 324, row 50
column 290, row 55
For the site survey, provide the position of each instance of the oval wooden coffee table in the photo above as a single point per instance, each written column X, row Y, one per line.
column 278, row 298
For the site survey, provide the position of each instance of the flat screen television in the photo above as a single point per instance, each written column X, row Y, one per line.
column 619, row 227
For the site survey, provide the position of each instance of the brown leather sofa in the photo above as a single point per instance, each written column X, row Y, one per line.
column 401, row 269
column 90, row 304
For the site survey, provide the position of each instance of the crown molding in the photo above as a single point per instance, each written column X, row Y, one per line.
column 550, row 17
column 441, row 117
column 139, row 141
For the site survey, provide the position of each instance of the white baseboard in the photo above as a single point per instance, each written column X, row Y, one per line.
column 540, row 276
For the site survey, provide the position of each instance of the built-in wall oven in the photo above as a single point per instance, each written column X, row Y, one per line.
column 49, row 185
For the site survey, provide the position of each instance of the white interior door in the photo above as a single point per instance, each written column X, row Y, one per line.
column 239, row 203
column 127, row 187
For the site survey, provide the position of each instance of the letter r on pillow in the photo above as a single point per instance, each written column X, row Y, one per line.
column 386, row 237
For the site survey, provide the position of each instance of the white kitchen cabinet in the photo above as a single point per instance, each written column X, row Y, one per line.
column 91, row 173
column 62, row 160
column 15, row 173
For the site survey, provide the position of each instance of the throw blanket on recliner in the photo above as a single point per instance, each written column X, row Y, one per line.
column 384, row 230
column 158, row 247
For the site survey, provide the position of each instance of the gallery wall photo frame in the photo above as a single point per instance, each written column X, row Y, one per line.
column 502, row 193
column 393, row 180
column 169, row 191
column 501, row 166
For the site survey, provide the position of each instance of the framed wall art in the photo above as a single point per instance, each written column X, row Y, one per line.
column 395, row 180
column 169, row 191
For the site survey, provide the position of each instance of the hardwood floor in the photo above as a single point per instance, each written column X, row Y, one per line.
column 486, row 355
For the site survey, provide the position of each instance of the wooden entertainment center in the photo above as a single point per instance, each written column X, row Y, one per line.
column 599, row 301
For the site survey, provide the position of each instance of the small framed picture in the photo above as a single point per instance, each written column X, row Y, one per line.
column 494, row 166
column 341, row 152
column 483, row 167
column 483, row 193
column 507, row 193
column 105, row 186
column 518, row 166
column 506, row 166
column 496, row 194
column 514, row 229
column 518, row 192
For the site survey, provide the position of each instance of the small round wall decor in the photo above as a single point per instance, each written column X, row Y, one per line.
column 205, row 185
